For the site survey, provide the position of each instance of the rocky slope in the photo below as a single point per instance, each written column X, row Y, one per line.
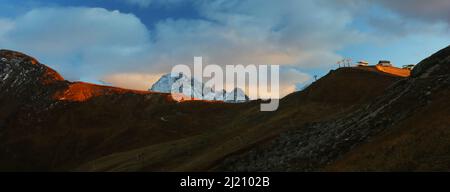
column 405, row 106
column 24, row 78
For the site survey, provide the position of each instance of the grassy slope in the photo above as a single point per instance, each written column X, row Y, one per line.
column 421, row 142
column 106, row 128
column 71, row 133
column 327, row 98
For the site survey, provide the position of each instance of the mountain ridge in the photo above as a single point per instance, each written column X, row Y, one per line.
column 173, row 83
column 331, row 125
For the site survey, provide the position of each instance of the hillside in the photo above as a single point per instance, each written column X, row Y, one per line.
column 420, row 141
column 251, row 127
column 406, row 128
column 340, row 122
column 47, row 123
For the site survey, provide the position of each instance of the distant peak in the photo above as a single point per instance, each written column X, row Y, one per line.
column 174, row 82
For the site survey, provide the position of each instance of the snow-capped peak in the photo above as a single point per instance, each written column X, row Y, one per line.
column 180, row 83
column 237, row 95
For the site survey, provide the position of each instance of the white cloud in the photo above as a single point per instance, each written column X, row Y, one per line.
column 290, row 79
column 304, row 34
column 79, row 42
column 298, row 33
column 95, row 43
column 137, row 81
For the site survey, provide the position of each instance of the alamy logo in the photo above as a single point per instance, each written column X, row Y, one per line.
column 263, row 81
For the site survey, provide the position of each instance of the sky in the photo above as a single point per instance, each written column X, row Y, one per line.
column 131, row 43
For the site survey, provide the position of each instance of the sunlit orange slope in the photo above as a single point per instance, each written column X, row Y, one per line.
column 394, row 71
column 388, row 70
column 81, row 91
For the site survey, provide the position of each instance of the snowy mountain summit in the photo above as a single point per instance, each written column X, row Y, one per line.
column 180, row 83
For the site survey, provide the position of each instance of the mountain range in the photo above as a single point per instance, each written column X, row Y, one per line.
column 352, row 119
column 173, row 83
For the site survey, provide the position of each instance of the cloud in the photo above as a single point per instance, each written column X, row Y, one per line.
column 99, row 44
column 290, row 80
column 79, row 42
column 95, row 43
column 430, row 10
column 398, row 19
column 302, row 33
column 137, row 81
